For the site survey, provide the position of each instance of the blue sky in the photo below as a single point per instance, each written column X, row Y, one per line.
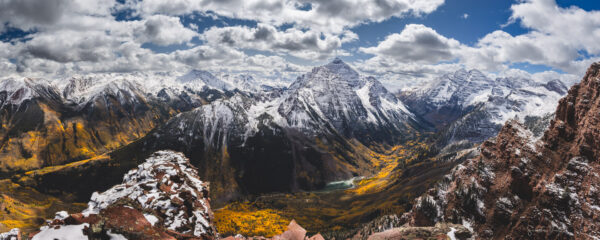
column 397, row 40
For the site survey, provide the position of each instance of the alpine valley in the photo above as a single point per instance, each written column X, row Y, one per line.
column 331, row 155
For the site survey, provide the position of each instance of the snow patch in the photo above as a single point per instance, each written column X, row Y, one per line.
column 115, row 236
column 13, row 234
column 151, row 218
column 451, row 233
column 142, row 184
column 69, row 232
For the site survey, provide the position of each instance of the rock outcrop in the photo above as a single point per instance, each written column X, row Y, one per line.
column 522, row 188
column 13, row 234
column 293, row 232
column 161, row 199
column 439, row 231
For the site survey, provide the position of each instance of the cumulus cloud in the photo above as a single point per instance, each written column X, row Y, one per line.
column 84, row 36
column 556, row 38
column 319, row 15
column 200, row 55
column 68, row 46
column 26, row 14
column 39, row 15
column 416, row 43
column 561, row 38
column 304, row 44
column 164, row 30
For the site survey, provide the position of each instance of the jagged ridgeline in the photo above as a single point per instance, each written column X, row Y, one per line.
column 42, row 126
column 297, row 138
column 524, row 187
column 47, row 123
column 249, row 138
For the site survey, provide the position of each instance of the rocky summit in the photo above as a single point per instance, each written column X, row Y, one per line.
column 161, row 199
column 521, row 187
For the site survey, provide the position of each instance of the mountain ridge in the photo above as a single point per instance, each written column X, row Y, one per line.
column 520, row 186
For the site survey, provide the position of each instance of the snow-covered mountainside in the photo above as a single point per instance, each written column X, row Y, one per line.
column 333, row 96
column 264, row 137
column 162, row 198
column 521, row 187
column 13, row 234
column 332, row 99
column 52, row 122
column 467, row 105
column 197, row 79
column 354, row 105
column 13, row 92
column 247, row 83
column 45, row 123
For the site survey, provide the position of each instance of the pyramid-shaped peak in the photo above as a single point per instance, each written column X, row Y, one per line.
column 340, row 67
column 337, row 60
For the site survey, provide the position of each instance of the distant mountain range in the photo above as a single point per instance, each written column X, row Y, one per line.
column 249, row 137
column 469, row 107
column 520, row 186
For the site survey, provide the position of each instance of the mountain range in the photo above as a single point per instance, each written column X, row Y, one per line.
column 251, row 138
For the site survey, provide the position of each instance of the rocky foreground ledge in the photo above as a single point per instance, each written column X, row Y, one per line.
column 161, row 199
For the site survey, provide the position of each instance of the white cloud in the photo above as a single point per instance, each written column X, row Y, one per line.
column 465, row 16
column 26, row 14
column 304, row 44
column 556, row 38
column 545, row 76
column 416, row 43
column 322, row 15
column 401, row 75
column 83, row 36
column 69, row 46
column 164, row 30
column 48, row 14
column 201, row 55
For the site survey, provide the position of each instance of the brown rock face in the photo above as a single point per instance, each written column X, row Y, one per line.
column 161, row 199
column 520, row 187
column 439, row 231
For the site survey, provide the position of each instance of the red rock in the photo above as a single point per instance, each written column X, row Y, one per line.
column 520, row 189
column 293, row 232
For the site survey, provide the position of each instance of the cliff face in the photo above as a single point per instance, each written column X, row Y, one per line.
column 520, row 187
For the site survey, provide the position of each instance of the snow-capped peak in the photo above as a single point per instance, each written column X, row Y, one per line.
column 318, row 102
column 196, row 79
column 339, row 67
column 19, row 90
column 504, row 97
column 82, row 89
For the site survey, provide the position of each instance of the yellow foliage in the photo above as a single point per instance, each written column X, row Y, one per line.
column 25, row 208
column 240, row 218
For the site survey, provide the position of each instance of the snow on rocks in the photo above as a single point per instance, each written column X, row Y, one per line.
column 546, row 190
column 16, row 91
column 161, row 199
column 13, row 234
column 330, row 98
column 467, row 105
column 70, row 232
